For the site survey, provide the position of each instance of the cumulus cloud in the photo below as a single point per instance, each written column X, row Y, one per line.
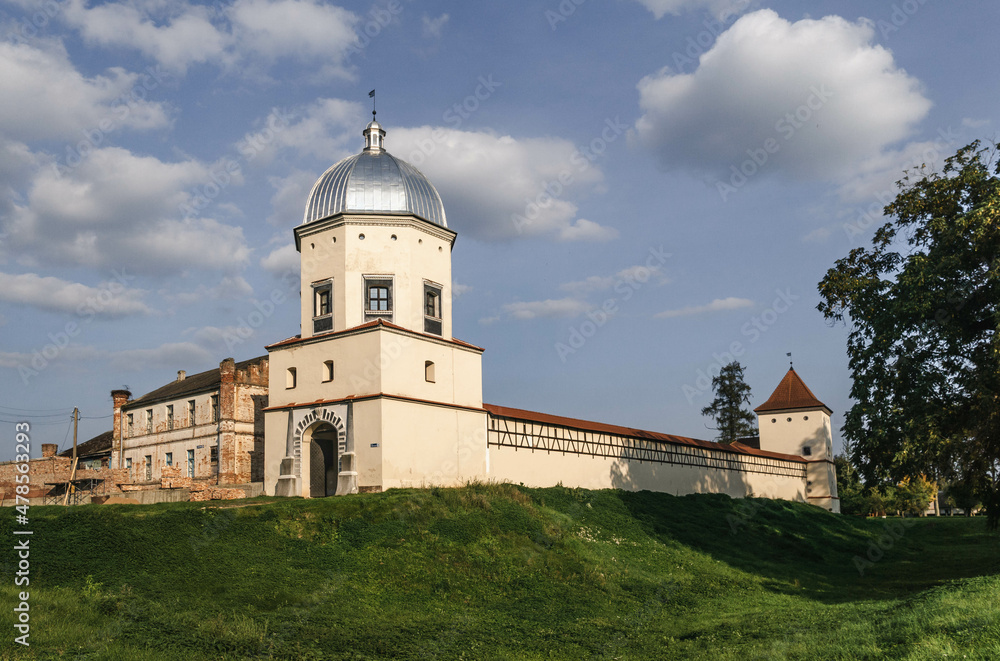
column 810, row 98
column 119, row 210
column 550, row 308
column 288, row 201
column 326, row 129
column 501, row 187
column 660, row 8
column 180, row 34
column 281, row 260
column 717, row 305
column 45, row 97
column 109, row 299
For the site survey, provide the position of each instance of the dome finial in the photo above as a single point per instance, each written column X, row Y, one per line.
column 374, row 135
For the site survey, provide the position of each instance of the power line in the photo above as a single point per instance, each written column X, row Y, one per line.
column 13, row 408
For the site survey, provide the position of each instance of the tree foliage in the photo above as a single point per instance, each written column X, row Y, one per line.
column 731, row 393
column 923, row 303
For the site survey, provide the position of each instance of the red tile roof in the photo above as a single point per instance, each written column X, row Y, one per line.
column 586, row 425
column 791, row 393
column 367, row 325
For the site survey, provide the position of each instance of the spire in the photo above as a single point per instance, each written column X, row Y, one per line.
column 791, row 393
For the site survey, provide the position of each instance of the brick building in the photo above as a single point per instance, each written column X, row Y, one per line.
column 208, row 427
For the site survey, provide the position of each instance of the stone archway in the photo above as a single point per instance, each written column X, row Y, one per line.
column 324, row 460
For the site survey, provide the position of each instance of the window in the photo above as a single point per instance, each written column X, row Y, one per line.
column 429, row 371
column 149, row 467
column 378, row 299
column 190, row 463
column 130, row 428
column 170, row 416
column 128, row 465
column 149, row 421
column 432, row 308
column 806, row 451
column 168, row 459
column 328, row 371
column 322, row 307
column 213, row 459
column 290, row 378
column 215, row 408
column 191, row 413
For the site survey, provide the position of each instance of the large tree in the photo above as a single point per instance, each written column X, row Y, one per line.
column 923, row 308
column 731, row 393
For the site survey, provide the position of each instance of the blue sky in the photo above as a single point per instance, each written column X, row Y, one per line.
column 642, row 189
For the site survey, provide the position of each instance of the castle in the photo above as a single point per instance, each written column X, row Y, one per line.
column 375, row 392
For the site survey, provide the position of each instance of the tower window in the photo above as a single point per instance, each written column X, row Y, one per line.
column 432, row 308
column 328, row 371
column 378, row 299
column 429, row 372
column 290, row 378
column 322, row 307
column 806, row 451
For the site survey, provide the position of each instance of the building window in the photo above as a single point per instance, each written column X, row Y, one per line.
column 328, row 371
column 432, row 308
column 215, row 408
column 190, row 463
column 213, row 459
column 290, row 378
column 322, row 307
column 168, row 459
column 806, row 451
column 170, row 416
column 128, row 465
column 429, row 371
column 149, row 467
column 378, row 299
column 130, row 427
column 191, row 413
column 149, row 421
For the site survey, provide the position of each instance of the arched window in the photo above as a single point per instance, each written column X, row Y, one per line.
column 429, row 371
column 327, row 371
column 290, row 378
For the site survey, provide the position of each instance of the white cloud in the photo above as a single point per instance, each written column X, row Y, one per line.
column 639, row 273
column 68, row 354
column 821, row 90
column 239, row 36
column 459, row 289
column 718, row 7
column 289, row 199
column 563, row 307
column 119, row 210
column 171, row 355
column 971, row 123
column 228, row 288
column 494, row 187
column 818, row 235
column 42, row 96
column 433, row 28
column 587, row 230
column 110, row 299
column 717, row 305
column 281, row 260
column 874, row 178
column 326, row 129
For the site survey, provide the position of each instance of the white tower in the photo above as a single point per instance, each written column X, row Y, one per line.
column 794, row 421
column 374, row 392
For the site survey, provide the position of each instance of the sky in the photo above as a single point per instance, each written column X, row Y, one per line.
column 643, row 190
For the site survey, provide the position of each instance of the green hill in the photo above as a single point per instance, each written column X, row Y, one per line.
column 503, row 572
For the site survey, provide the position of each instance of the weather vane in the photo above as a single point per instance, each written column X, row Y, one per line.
column 789, row 354
column 371, row 95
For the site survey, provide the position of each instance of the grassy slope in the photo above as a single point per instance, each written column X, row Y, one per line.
column 499, row 572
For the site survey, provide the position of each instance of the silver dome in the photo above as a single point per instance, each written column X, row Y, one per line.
column 374, row 181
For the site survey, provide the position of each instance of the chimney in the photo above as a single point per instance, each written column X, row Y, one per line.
column 181, row 374
column 119, row 398
column 49, row 449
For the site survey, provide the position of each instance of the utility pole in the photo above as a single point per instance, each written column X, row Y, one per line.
column 72, row 475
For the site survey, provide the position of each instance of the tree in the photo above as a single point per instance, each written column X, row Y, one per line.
column 731, row 393
column 924, row 348
column 914, row 495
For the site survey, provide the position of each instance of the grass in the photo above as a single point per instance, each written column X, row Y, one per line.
column 503, row 572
